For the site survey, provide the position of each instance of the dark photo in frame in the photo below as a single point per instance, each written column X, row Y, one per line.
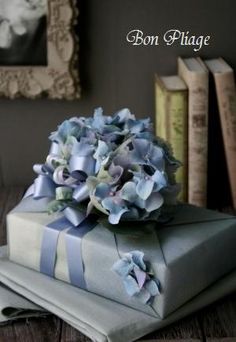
column 23, row 32
column 39, row 49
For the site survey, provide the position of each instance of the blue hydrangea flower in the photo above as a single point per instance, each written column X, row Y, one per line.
column 137, row 280
column 146, row 153
column 66, row 129
column 123, row 117
column 147, row 184
column 111, row 201
column 113, row 163
column 116, row 207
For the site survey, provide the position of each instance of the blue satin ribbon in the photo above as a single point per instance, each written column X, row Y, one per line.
column 81, row 164
column 74, row 250
column 55, row 148
column 73, row 241
column 49, row 245
column 43, row 186
column 74, row 216
column 81, row 192
column 81, row 160
column 84, row 165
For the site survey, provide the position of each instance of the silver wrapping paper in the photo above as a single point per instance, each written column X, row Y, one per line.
column 101, row 319
column 189, row 254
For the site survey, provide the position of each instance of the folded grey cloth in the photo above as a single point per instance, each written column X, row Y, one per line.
column 14, row 306
column 101, row 319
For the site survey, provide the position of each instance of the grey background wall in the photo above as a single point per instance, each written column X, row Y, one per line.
column 113, row 73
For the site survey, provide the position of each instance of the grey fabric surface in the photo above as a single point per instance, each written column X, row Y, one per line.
column 195, row 236
column 99, row 318
column 13, row 306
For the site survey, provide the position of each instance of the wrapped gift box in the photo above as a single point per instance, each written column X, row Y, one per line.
column 187, row 255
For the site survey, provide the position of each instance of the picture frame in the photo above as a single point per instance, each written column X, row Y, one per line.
column 54, row 76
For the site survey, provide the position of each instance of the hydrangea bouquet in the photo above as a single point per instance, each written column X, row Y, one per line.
column 113, row 165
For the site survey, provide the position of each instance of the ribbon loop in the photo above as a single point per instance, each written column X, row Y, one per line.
column 74, row 216
column 54, row 149
column 43, row 187
column 81, row 193
column 82, row 164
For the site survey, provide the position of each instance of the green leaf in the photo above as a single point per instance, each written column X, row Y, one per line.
column 63, row 193
column 92, row 182
column 55, row 206
column 97, row 205
column 103, row 175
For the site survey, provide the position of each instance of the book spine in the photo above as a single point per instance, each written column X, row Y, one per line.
column 160, row 118
column 197, row 135
column 226, row 97
column 171, row 125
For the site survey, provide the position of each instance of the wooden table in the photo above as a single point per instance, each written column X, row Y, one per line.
column 217, row 323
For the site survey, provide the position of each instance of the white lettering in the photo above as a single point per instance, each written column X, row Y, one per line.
column 171, row 36
column 136, row 37
column 184, row 39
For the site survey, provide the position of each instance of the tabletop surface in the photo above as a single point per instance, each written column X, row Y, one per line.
column 216, row 323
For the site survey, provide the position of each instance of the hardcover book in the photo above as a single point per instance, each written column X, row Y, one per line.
column 171, row 121
column 195, row 74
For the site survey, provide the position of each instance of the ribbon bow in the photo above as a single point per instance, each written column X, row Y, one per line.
column 77, row 224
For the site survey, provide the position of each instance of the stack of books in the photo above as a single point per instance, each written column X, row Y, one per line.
column 196, row 114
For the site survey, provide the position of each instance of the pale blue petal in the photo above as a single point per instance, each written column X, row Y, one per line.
column 102, row 150
column 131, row 285
column 140, row 203
column 135, row 126
column 154, row 202
column 98, row 119
column 102, row 190
column 122, row 116
column 128, row 192
column 116, row 208
column 115, row 217
column 115, row 172
column 122, row 267
column 98, row 165
column 66, row 129
column 152, row 287
column 137, row 257
column 159, row 179
column 157, row 157
column 143, row 296
column 144, row 188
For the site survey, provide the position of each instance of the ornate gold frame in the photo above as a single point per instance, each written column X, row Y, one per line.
column 60, row 78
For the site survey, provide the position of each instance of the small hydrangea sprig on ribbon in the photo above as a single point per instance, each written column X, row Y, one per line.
column 138, row 281
column 112, row 165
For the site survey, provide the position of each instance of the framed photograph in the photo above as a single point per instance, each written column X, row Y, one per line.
column 39, row 49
